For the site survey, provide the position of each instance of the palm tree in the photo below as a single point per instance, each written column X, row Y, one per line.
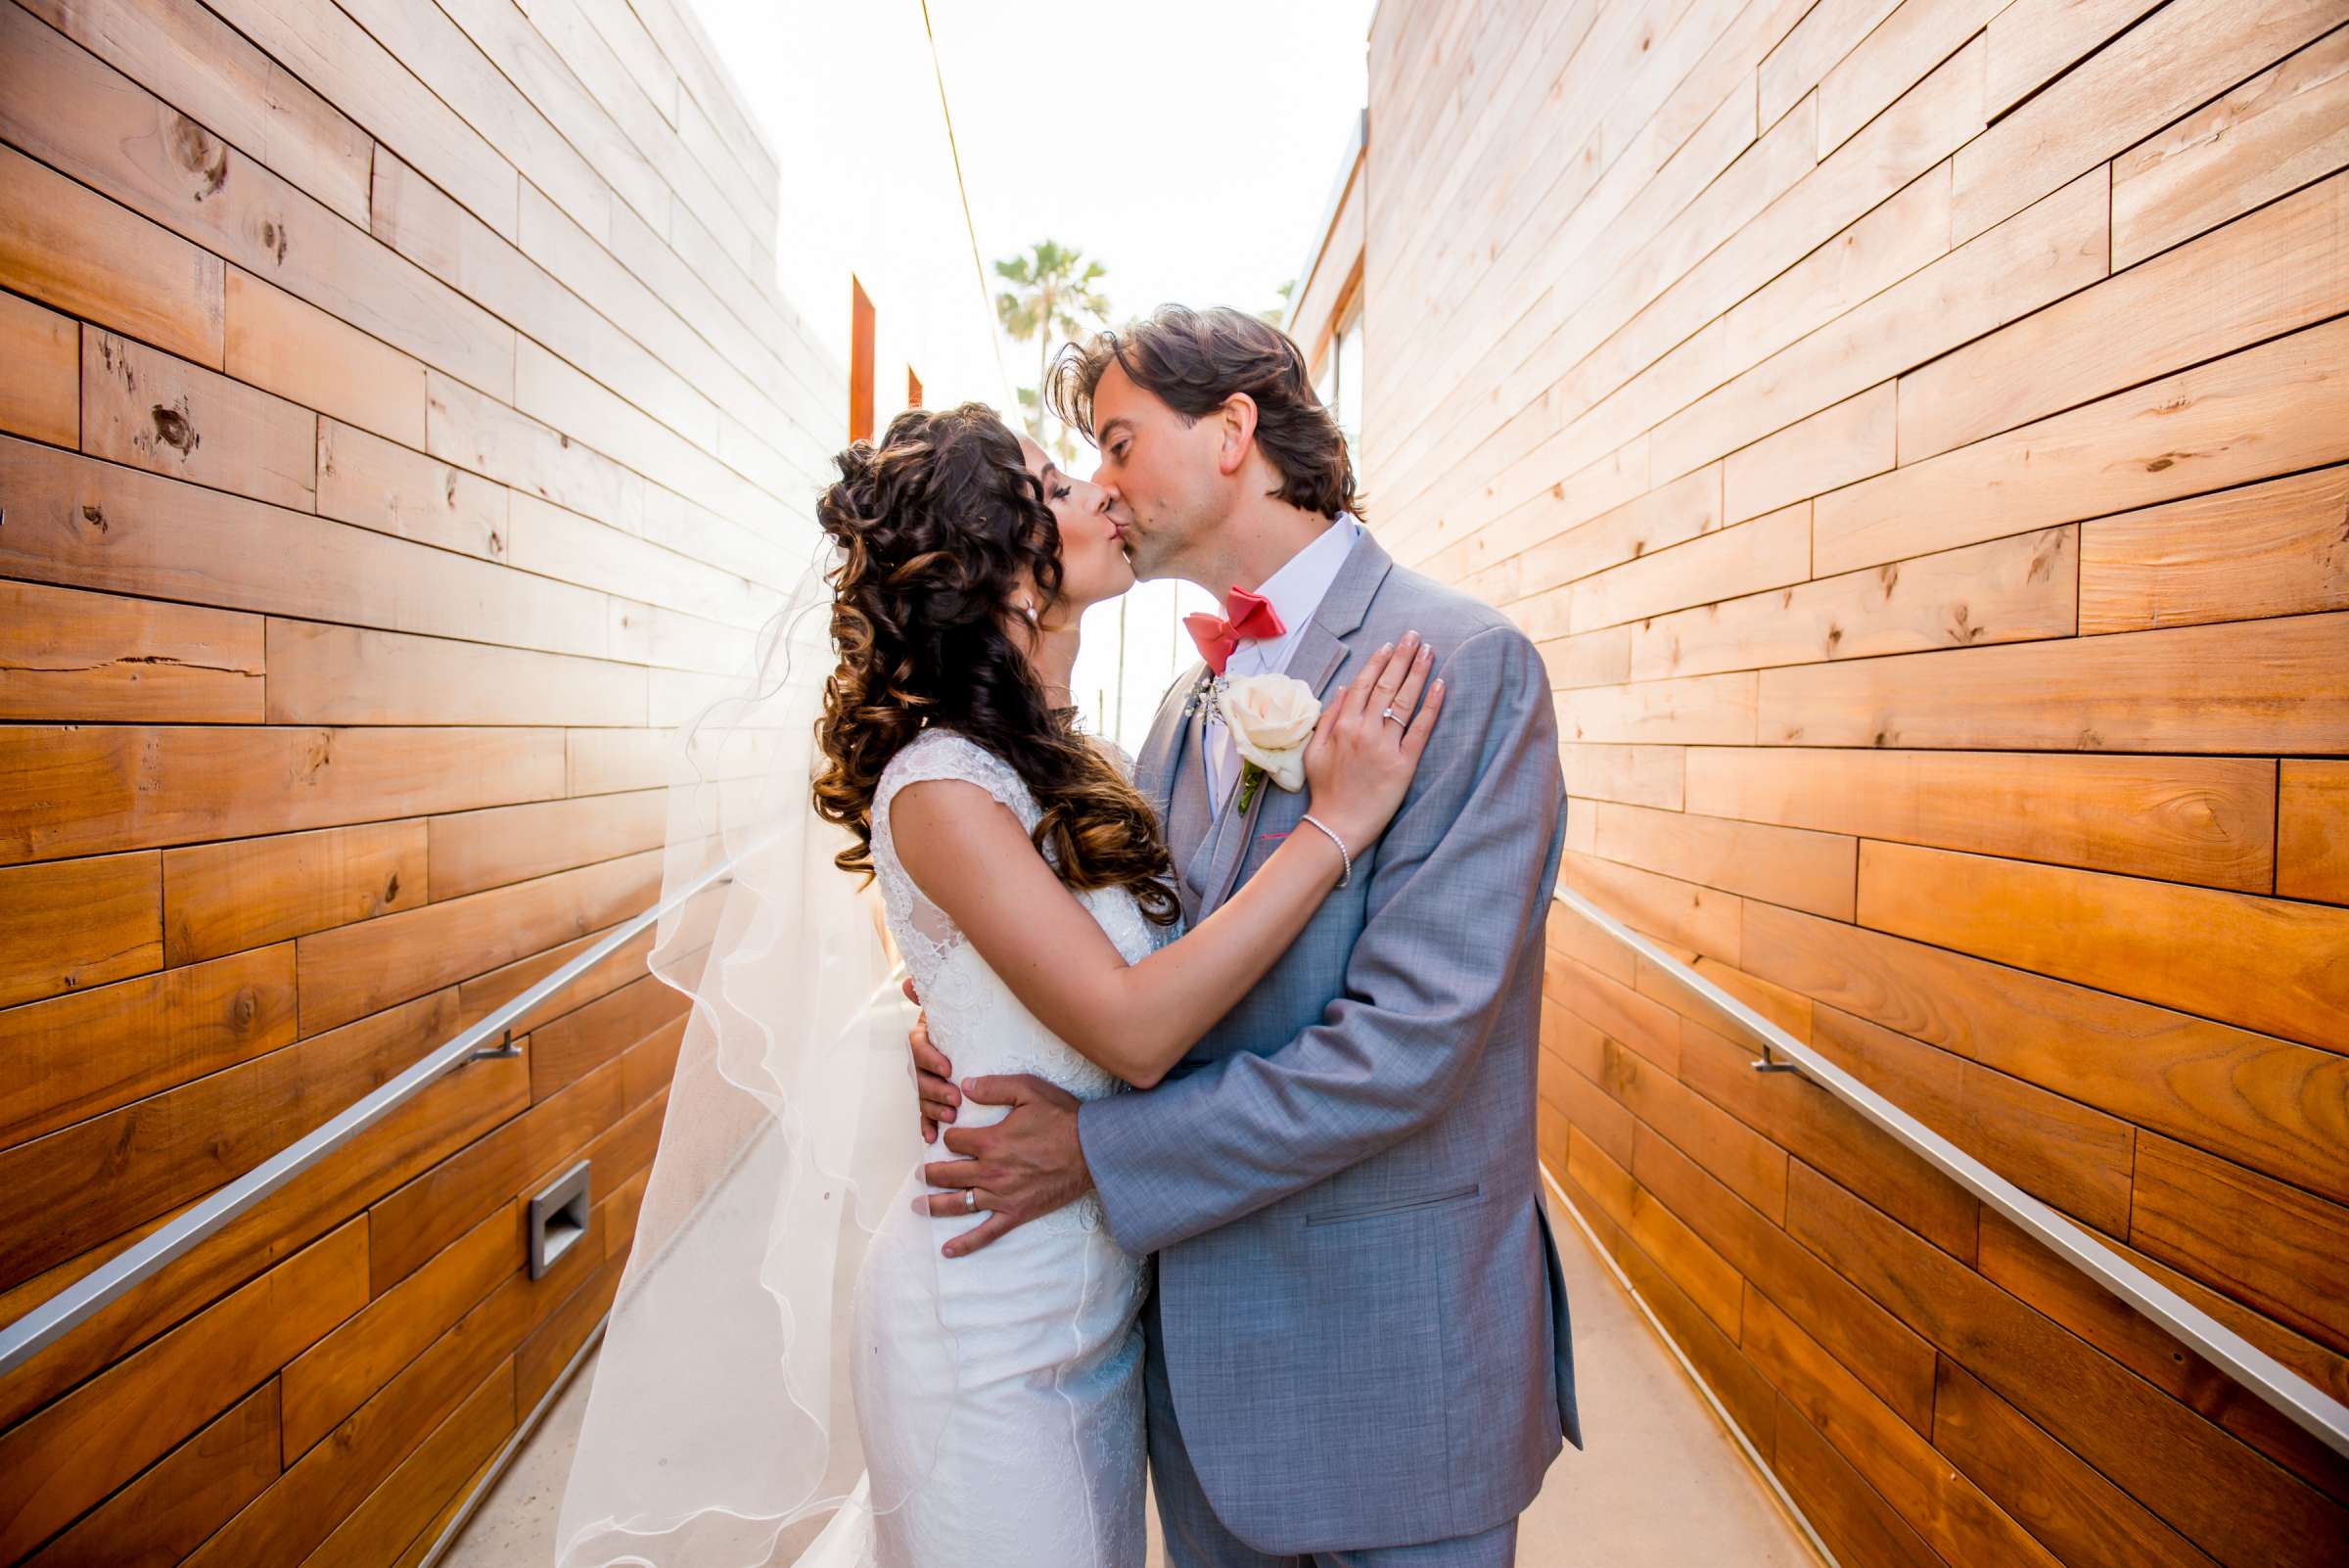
column 1274, row 315
column 1053, row 290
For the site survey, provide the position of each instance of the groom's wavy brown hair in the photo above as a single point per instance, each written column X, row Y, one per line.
column 936, row 523
column 1193, row 361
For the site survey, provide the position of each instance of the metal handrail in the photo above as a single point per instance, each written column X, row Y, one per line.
column 78, row 1302
column 495, row 1471
column 2298, row 1399
column 2301, row 1401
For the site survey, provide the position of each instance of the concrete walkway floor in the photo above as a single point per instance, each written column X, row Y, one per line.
column 1661, row 1481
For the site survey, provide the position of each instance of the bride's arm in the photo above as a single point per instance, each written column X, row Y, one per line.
column 971, row 859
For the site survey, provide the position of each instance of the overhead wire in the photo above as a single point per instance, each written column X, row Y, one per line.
column 970, row 229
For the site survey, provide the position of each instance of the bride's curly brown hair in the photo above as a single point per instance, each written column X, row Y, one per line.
column 936, row 523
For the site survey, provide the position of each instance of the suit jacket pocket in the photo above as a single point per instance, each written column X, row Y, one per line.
column 1395, row 1206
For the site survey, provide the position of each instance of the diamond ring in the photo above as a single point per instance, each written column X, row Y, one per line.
column 1390, row 713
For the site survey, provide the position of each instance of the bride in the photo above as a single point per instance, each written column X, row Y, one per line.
column 787, row 1249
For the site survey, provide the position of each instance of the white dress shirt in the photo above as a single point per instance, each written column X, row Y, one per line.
column 1296, row 591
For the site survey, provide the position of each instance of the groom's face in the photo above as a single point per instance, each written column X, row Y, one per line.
column 1160, row 470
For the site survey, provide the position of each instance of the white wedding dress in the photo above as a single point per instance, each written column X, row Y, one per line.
column 1039, row 1461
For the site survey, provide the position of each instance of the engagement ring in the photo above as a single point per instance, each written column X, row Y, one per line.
column 1397, row 718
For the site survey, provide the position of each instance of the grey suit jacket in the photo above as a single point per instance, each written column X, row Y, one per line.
column 1362, row 1312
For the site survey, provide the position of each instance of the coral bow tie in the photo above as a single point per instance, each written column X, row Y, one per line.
column 1246, row 617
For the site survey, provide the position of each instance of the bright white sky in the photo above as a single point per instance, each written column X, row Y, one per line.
column 1190, row 148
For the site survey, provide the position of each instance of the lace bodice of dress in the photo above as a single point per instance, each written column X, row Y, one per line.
column 973, row 1017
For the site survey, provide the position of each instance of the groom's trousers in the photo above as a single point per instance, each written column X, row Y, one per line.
column 1196, row 1538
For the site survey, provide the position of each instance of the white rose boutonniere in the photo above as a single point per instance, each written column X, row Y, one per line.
column 1270, row 718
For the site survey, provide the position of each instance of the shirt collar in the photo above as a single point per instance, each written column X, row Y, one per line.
column 1296, row 588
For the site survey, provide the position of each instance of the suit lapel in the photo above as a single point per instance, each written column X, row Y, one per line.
column 1320, row 650
column 1176, row 788
column 1190, row 753
column 1154, row 770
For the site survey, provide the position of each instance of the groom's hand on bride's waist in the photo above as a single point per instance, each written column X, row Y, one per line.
column 1023, row 1167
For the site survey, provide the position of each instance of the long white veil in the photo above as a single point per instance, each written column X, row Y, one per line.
column 719, row 1431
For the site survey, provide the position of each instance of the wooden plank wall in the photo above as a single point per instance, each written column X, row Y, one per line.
column 398, row 426
column 1917, row 434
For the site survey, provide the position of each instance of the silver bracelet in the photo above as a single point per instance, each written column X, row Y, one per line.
column 1340, row 843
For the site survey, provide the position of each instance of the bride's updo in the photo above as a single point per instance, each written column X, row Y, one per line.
column 937, row 523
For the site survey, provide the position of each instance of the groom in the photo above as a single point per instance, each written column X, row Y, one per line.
column 1357, row 1345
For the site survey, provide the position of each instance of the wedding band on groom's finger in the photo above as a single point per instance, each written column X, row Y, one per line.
column 958, row 1204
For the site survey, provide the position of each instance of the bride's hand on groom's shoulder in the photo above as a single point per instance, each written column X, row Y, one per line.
column 1368, row 742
